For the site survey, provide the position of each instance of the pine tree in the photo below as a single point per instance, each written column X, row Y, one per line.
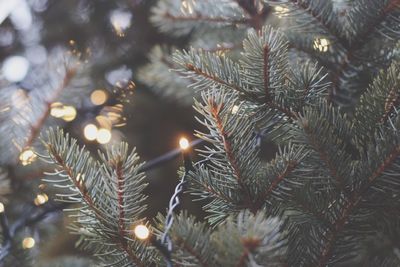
column 324, row 88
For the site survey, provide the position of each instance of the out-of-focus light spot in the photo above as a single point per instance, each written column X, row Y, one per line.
column 1, row 207
column 321, row 44
column 98, row 97
column 27, row 156
column 141, row 231
column 103, row 136
column 90, row 132
column 121, row 21
column 15, row 68
column 40, row 199
column 58, row 110
column 21, row 16
column 69, row 113
column 28, row 242
column 280, row 11
column 235, row 109
column 184, row 143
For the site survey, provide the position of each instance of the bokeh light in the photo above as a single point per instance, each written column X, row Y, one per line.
column 15, row 68
column 28, row 242
column 90, row 132
column 141, row 231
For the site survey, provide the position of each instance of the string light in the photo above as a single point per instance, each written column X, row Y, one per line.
column 141, row 231
column 59, row 110
column 103, row 136
column 27, row 156
column 321, row 44
column 1, row 207
column 90, row 132
column 15, row 68
column 69, row 113
column 98, row 97
column 184, row 143
column 40, row 199
column 28, row 242
column 280, row 11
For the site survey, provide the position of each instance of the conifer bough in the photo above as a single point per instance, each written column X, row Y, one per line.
column 330, row 196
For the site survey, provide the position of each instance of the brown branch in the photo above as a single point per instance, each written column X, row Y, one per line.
column 250, row 244
column 291, row 165
column 192, row 251
column 36, row 128
column 249, row 95
column 325, row 158
column 117, row 164
column 80, row 185
column 354, row 200
column 215, row 112
column 391, row 101
column 200, row 72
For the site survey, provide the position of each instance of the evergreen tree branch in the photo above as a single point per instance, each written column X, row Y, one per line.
column 37, row 127
column 384, row 95
column 354, row 200
column 34, row 216
column 118, row 176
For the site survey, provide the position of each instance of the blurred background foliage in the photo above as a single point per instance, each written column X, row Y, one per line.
column 103, row 43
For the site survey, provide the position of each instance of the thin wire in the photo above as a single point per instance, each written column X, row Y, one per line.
column 169, row 219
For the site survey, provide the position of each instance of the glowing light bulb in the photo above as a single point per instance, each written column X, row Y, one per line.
column 69, row 113
column 98, row 97
column 184, row 143
column 27, row 156
column 90, row 132
column 57, row 110
column 321, row 44
column 28, row 242
column 281, row 11
column 40, row 199
column 1, row 207
column 15, row 68
column 141, row 231
column 103, row 136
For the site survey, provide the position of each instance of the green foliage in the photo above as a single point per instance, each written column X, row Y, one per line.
column 24, row 113
column 323, row 182
column 331, row 195
column 181, row 17
column 243, row 240
column 110, row 195
column 384, row 96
